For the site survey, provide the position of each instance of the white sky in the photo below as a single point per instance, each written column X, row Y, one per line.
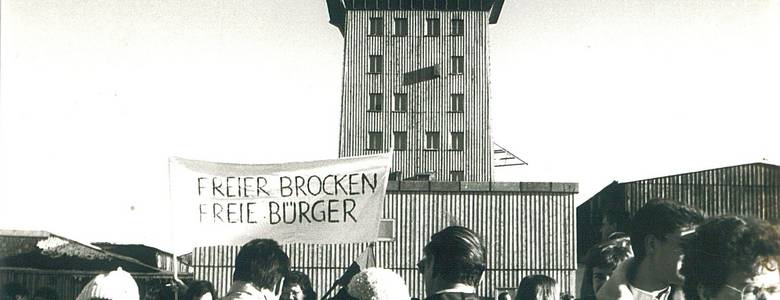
column 96, row 95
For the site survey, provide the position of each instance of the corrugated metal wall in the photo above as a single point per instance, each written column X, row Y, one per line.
column 525, row 233
column 429, row 101
column 752, row 190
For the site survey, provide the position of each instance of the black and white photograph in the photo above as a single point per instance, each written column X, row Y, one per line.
column 389, row 150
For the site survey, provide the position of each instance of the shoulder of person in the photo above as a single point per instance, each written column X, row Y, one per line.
column 676, row 293
column 240, row 296
column 453, row 296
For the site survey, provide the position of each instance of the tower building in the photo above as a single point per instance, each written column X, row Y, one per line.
column 416, row 77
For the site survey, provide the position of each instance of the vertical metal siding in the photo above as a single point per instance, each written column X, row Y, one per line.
column 428, row 101
column 752, row 190
column 525, row 233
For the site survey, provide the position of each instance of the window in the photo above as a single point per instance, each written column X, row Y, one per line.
column 374, row 102
column 400, row 27
column 457, row 65
column 374, row 140
column 376, row 64
column 431, row 27
column 432, row 140
column 386, row 230
column 395, row 176
column 399, row 140
column 456, row 141
column 456, row 175
column 399, row 102
column 376, row 27
column 456, row 103
column 456, row 27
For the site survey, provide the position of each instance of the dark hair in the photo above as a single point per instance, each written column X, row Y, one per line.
column 659, row 218
column 459, row 255
column 725, row 245
column 302, row 280
column 607, row 255
column 13, row 289
column 199, row 288
column 262, row 263
column 504, row 295
column 536, row 287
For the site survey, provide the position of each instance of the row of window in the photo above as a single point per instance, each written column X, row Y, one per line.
column 401, row 102
column 432, row 140
column 401, row 27
column 376, row 64
column 454, row 176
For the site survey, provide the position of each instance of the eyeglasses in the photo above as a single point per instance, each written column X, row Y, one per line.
column 751, row 292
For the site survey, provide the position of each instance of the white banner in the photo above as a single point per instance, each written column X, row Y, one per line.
column 319, row 202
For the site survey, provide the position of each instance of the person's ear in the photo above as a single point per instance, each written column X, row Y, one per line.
column 651, row 244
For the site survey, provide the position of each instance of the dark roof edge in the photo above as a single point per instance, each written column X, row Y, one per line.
column 163, row 274
column 91, row 246
column 483, row 187
column 495, row 11
column 610, row 185
column 337, row 12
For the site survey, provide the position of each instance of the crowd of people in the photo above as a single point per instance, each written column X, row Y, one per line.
column 669, row 252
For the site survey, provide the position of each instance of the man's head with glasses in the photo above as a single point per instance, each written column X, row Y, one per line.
column 731, row 257
column 455, row 258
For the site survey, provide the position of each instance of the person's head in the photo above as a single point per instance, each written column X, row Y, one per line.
column 378, row 284
column 45, row 293
column 297, row 286
column 537, row 287
column 729, row 255
column 602, row 259
column 263, row 263
column 114, row 285
column 455, row 255
column 613, row 221
column 16, row 291
column 200, row 290
column 504, row 296
column 656, row 230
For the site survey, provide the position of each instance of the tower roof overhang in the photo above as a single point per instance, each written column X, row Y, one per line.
column 337, row 8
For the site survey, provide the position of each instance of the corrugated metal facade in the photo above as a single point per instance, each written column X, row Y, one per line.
column 428, row 101
column 525, row 233
column 751, row 189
